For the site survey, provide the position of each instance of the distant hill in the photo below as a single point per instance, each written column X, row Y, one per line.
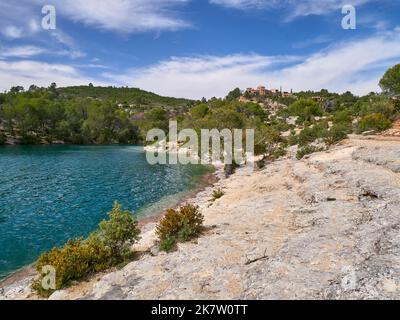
column 84, row 114
column 123, row 95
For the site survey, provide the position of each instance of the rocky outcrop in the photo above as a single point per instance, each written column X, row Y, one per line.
column 325, row 227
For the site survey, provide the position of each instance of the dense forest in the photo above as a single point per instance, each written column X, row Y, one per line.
column 88, row 114
column 82, row 115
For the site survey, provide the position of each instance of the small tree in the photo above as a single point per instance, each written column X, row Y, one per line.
column 390, row 82
column 234, row 95
column 120, row 231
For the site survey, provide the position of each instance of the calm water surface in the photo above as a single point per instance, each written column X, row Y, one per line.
column 49, row 194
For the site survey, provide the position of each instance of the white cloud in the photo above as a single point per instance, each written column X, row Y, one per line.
column 196, row 77
column 27, row 72
column 294, row 8
column 355, row 66
column 21, row 52
column 13, row 32
column 123, row 16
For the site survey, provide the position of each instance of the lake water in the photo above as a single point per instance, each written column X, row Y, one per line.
column 49, row 194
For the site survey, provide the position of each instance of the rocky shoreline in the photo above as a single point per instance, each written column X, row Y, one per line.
column 17, row 284
column 325, row 227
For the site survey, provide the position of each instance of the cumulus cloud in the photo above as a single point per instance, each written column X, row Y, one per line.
column 125, row 15
column 195, row 77
column 355, row 66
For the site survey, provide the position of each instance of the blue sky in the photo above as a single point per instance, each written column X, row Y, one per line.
column 196, row 48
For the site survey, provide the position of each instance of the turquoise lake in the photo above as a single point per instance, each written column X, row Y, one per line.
column 49, row 194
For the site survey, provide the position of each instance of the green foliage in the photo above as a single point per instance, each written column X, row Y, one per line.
column 168, row 244
column 217, row 194
column 374, row 104
column 120, row 95
column 396, row 105
column 390, row 82
column 156, row 118
column 312, row 133
column 179, row 226
column 252, row 110
column 199, row 111
column 234, row 95
column 120, row 231
column 106, row 247
column 308, row 149
column 337, row 133
column 377, row 122
column 305, row 109
column 84, row 115
column 342, row 117
column 267, row 141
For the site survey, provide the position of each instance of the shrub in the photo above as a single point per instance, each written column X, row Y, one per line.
column 308, row 149
column 119, row 232
column 310, row 134
column 267, row 141
column 179, row 225
column 71, row 262
column 217, row 194
column 337, row 133
column 293, row 139
column 306, row 110
column 280, row 151
column 396, row 105
column 373, row 105
column 376, row 121
column 342, row 117
column 104, row 248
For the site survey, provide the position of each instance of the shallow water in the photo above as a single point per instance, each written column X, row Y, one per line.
column 49, row 194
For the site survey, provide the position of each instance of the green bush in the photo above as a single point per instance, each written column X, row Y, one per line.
column 342, row 117
column 179, row 226
column 374, row 105
column 310, row 134
column 396, row 105
column 305, row 109
column 280, row 151
column 119, row 232
column 293, row 139
column 308, row 149
column 217, row 194
column 104, row 248
column 337, row 133
column 377, row 122
column 267, row 141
